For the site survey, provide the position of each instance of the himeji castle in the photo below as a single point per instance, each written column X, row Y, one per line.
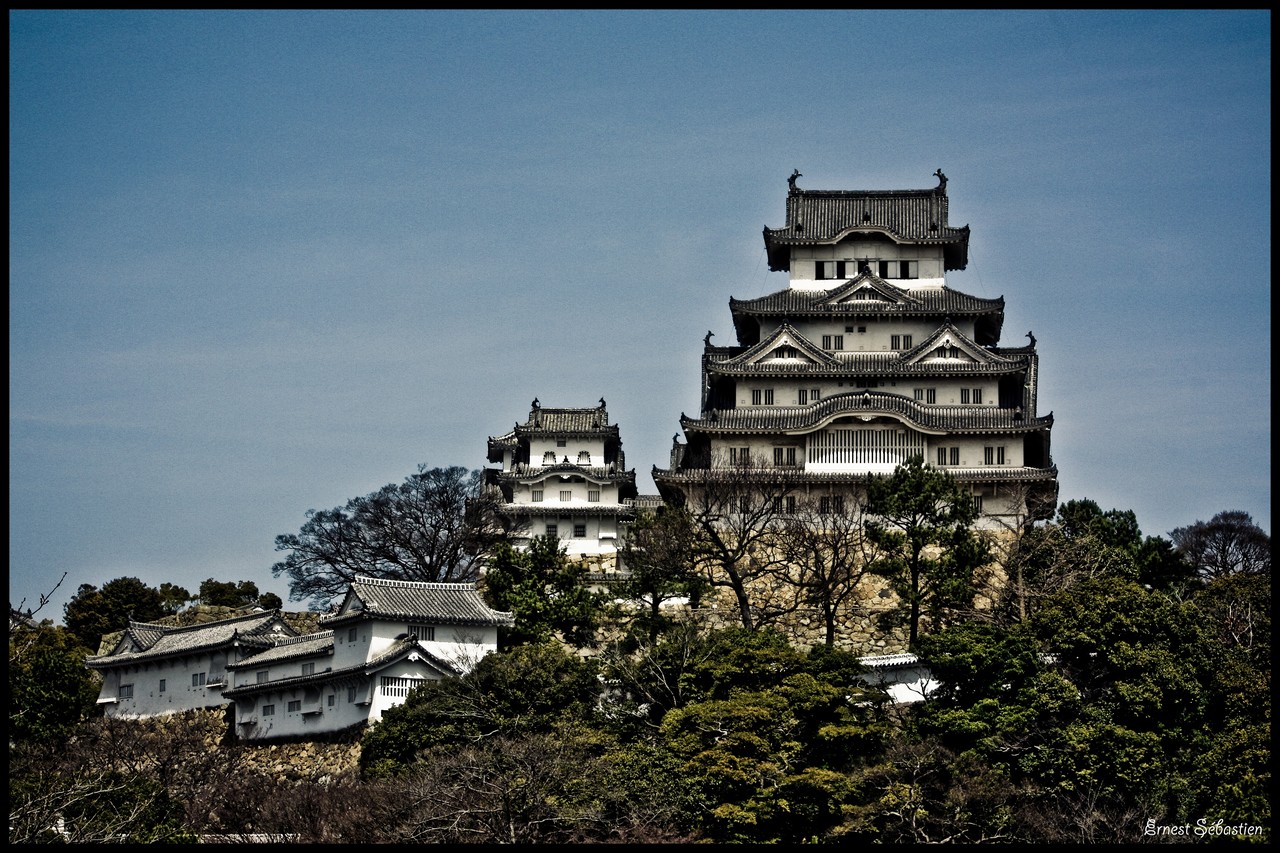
column 866, row 358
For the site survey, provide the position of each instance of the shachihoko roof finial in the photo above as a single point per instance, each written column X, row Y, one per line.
column 942, row 179
column 791, row 181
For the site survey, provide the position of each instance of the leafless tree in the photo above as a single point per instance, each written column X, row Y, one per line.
column 738, row 511
column 828, row 553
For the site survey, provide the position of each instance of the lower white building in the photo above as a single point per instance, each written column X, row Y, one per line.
column 384, row 639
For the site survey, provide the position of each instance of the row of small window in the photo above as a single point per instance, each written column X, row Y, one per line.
column 198, row 679
column 930, row 395
column 990, row 456
column 566, row 495
column 885, row 269
column 579, row 530
column 827, row 504
column 549, row 458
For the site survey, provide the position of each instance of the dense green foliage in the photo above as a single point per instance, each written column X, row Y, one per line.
column 1116, row 688
column 50, row 690
column 546, row 593
column 92, row 612
column 920, row 523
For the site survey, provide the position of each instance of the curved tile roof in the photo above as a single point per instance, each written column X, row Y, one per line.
column 152, row 641
column 442, row 603
column 306, row 645
column 964, row 475
column 869, row 404
column 937, row 302
column 816, row 217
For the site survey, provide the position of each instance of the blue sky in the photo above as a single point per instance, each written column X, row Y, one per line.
column 264, row 262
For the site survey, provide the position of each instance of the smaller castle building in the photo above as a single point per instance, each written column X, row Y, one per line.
column 563, row 473
column 384, row 639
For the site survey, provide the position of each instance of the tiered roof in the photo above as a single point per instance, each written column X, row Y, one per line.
column 440, row 603
column 824, row 217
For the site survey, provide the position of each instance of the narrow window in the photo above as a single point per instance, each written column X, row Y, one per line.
column 791, row 456
column 837, row 504
column 1000, row 455
column 351, row 694
column 823, row 269
column 977, row 504
column 268, row 710
column 988, row 456
column 895, row 342
column 744, row 504
column 351, row 634
column 162, row 684
column 566, row 495
column 756, row 396
column 593, row 495
column 426, row 633
column 802, row 397
column 309, row 668
column 331, row 698
column 942, row 456
column 931, row 395
column 263, row 676
column 824, row 505
column 813, row 395
column 977, row 396
column 777, row 456
column 964, row 396
column 837, row 342
column 826, row 342
column 768, row 397
column 552, row 530
column 910, row 269
column 562, row 442
column 537, row 496
column 579, row 530
column 197, row 679
column 955, row 456
column 906, row 342
column 791, row 504
column 295, row 705
column 919, row 394
column 864, row 266
column 884, row 270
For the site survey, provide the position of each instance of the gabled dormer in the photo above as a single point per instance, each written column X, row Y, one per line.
column 870, row 290
column 784, row 348
column 951, row 346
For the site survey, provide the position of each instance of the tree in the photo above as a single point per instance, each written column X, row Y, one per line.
column 173, row 598
column 50, row 690
column 434, row 526
column 91, row 612
column 660, row 567
column 530, row 689
column 1229, row 543
column 829, row 556
column 228, row 593
column 736, row 511
column 545, row 592
column 920, row 524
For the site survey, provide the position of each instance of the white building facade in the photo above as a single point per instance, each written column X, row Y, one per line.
column 386, row 638
column 867, row 358
column 563, row 473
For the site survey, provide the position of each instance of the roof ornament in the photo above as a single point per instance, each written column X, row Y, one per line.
column 706, row 340
column 791, row 181
column 942, row 180
column 602, row 402
column 536, row 404
column 1033, row 340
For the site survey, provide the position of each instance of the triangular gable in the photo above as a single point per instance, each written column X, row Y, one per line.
column 410, row 649
column 867, row 288
column 783, row 343
column 948, row 344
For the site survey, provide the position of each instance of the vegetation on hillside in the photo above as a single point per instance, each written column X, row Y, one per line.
column 1118, row 690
